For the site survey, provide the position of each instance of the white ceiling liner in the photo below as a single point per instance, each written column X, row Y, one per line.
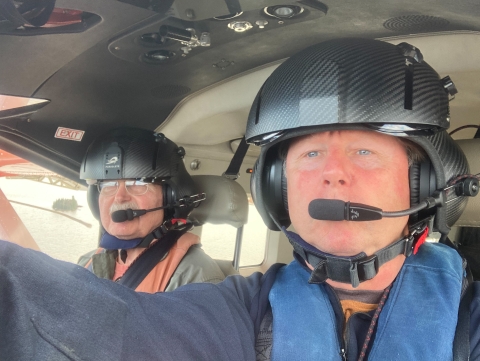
column 219, row 113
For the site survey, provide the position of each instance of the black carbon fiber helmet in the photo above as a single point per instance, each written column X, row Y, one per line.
column 132, row 153
column 356, row 84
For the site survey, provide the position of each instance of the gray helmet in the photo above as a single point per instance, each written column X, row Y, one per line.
column 132, row 153
column 356, row 84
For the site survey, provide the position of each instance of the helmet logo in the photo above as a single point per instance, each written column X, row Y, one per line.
column 112, row 166
column 112, row 160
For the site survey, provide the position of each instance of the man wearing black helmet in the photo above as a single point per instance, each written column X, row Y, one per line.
column 118, row 168
column 356, row 157
column 356, row 141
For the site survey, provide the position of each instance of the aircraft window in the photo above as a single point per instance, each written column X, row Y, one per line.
column 56, row 235
column 218, row 241
column 43, row 208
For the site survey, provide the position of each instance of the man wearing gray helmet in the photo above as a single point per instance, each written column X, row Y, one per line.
column 118, row 168
column 355, row 155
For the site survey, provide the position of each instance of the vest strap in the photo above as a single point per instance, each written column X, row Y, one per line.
column 142, row 266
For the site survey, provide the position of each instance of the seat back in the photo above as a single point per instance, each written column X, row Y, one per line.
column 226, row 202
column 467, row 235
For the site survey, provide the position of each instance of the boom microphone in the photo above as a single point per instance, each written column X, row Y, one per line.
column 129, row 214
column 337, row 210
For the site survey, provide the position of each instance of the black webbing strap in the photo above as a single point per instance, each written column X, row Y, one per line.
column 356, row 270
column 461, row 342
column 142, row 266
column 233, row 170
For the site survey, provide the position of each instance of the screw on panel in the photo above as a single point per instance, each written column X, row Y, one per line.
column 223, row 64
column 190, row 14
column 261, row 23
column 240, row 26
column 195, row 164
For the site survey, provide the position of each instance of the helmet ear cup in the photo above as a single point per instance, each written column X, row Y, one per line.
column 169, row 197
column 414, row 181
column 92, row 200
column 284, row 188
column 274, row 190
column 422, row 185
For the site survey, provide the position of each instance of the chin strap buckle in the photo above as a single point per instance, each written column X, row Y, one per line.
column 419, row 236
column 369, row 266
column 354, row 279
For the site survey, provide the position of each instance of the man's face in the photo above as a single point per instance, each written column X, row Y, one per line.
column 138, row 227
column 357, row 166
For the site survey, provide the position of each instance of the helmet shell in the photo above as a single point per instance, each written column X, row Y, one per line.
column 350, row 81
column 133, row 153
column 353, row 84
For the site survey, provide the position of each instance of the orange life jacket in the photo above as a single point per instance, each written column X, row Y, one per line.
column 158, row 278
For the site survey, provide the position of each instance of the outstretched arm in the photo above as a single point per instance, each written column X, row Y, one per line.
column 53, row 310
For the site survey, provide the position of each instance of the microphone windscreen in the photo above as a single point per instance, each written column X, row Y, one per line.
column 119, row 216
column 327, row 209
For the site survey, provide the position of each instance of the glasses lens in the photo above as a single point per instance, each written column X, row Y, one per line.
column 133, row 187
column 107, row 188
column 136, row 188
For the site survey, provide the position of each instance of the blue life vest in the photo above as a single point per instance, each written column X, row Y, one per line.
column 417, row 322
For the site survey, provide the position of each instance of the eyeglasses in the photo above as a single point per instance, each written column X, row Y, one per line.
column 133, row 187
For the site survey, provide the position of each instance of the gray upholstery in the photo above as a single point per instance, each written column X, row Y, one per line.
column 226, row 202
column 226, row 267
column 471, row 216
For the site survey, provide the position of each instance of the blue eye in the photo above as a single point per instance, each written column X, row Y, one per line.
column 364, row 152
column 312, row 154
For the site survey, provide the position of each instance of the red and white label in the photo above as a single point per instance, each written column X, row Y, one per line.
column 70, row 134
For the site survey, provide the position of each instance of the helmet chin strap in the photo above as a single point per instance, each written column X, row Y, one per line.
column 157, row 233
column 356, row 269
column 109, row 241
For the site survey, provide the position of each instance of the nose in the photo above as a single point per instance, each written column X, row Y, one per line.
column 122, row 195
column 336, row 171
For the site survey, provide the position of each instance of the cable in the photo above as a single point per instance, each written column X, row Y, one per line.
column 464, row 127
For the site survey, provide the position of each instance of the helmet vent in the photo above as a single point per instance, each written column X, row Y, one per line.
column 416, row 23
column 169, row 91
